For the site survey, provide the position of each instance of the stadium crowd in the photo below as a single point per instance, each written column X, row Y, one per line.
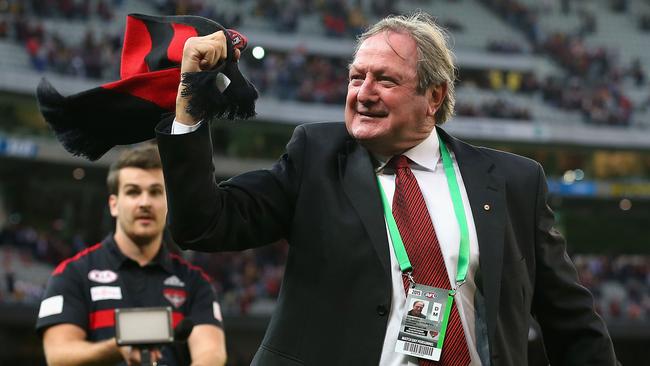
column 94, row 57
column 620, row 284
column 594, row 87
column 248, row 282
column 65, row 9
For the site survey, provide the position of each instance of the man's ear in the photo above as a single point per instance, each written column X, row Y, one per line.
column 112, row 204
column 438, row 95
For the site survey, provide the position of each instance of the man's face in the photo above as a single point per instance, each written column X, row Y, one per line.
column 384, row 111
column 140, row 206
column 417, row 307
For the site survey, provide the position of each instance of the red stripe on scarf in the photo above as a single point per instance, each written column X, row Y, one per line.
column 137, row 45
column 158, row 87
column 181, row 33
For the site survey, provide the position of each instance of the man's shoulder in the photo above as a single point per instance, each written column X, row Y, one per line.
column 79, row 260
column 500, row 156
column 328, row 129
column 509, row 165
column 185, row 270
column 321, row 139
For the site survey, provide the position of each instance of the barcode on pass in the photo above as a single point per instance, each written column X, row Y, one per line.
column 418, row 349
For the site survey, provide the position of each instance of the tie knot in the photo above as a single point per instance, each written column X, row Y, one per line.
column 399, row 162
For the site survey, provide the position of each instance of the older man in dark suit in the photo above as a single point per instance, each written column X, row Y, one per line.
column 385, row 204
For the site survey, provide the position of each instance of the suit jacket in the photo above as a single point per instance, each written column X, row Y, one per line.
column 333, row 306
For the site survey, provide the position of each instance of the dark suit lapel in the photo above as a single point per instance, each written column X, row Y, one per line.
column 360, row 185
column 486, row 193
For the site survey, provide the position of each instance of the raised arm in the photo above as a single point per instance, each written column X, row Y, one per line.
column 200, row 53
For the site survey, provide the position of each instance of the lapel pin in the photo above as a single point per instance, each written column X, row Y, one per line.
column 486, row 207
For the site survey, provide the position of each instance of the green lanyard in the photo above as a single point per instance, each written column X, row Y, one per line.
column 459, row 210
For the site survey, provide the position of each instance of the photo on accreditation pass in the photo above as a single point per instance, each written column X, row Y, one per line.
column 421, row 324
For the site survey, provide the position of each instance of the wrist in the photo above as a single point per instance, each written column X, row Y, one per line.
column 111, row 351
column 182, row 116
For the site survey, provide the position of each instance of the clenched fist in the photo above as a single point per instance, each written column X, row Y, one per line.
column 199, row 54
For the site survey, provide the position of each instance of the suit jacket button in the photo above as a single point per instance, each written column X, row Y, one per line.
column 381, row 310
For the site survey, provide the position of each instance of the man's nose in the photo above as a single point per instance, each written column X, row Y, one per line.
column 367, row 92
column 144, row 200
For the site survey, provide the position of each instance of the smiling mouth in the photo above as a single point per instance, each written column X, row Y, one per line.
column 373, row 115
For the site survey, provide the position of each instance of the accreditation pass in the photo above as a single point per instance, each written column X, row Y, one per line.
column 422, row 324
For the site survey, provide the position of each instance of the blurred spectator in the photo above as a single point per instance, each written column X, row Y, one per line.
column 621, row 284
column 498, row 108
column 382, row 8
column 67, row 9
column 504, row 46
column 335, row 18
column 587, row 22
column 637, row 73
column 357, row 21
column 288, row 18
column 644, row 22
column 297, row 76
column 594, row 85
column 453, row 25
column 618, row 6
column 246, row 278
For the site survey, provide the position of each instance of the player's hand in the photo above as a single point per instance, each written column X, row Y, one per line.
column 199, row 54
column 133, row 356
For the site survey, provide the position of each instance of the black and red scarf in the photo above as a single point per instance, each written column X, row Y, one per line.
column 126, row 111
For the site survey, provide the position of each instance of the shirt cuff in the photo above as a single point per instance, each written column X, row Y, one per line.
column 180, row 128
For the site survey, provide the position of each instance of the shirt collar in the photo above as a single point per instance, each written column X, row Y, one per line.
column 424, row 155
column 117, row 258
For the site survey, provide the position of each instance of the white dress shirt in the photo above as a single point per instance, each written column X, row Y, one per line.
column 432, row 180
column 427, row 168
column 179, row 128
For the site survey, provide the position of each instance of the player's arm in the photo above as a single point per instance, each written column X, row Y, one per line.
column 207, row 344
column 66, row 345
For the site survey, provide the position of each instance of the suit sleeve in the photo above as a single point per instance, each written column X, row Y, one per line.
column 247, row 211
column 573, row 333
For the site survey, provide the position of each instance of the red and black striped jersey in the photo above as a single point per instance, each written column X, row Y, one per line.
column 86, row 289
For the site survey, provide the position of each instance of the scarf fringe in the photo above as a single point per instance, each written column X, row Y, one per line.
column 74, row 140
column 207, row 102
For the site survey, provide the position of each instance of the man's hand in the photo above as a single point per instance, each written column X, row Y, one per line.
column 199, row 54
column 133, row 356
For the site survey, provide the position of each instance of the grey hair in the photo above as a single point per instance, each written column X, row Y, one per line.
column 435, row 64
